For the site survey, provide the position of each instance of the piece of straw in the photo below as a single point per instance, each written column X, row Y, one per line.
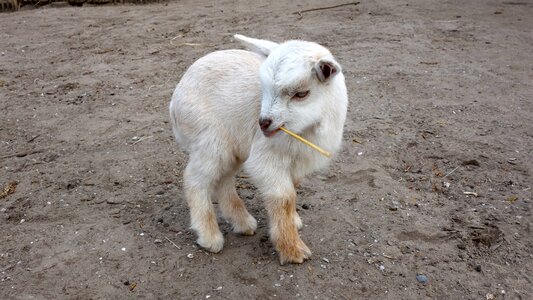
column 308, row 143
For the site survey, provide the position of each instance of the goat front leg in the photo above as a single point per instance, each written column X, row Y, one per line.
column 281, row 209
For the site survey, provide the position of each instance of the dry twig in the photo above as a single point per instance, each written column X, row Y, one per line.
column 322, row 8
column 471, row 193
column 173, row 243
column 450, row 173
column 22, row 154
column 308, row 143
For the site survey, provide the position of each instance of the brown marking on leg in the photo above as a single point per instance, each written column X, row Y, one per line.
column 296, row 184
column 211, row 222
column 284, row 232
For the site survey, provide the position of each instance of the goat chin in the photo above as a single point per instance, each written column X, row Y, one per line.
column 216, row 111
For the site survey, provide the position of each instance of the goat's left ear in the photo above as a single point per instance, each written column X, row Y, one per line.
column 326, row 68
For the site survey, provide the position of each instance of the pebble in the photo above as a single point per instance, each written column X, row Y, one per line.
column 158, row 241
column 114, row 201
column 190, row 255
column 422, row 278
column 325, row 259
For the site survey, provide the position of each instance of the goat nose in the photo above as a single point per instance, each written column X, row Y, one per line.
column 264, row 123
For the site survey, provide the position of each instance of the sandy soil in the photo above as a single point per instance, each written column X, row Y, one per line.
column 440, row 108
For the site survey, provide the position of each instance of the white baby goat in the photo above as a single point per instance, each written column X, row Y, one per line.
column 226, row 113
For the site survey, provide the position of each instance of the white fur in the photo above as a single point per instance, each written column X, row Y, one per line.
column 214, row 114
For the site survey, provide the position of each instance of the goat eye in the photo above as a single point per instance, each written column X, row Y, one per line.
column 300, row 95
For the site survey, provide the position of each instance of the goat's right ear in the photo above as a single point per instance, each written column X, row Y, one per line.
column 262, row 47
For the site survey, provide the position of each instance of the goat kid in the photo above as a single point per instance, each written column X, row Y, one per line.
column 226, row 113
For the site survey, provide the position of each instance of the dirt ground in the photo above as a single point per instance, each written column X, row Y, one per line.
column 434, row 178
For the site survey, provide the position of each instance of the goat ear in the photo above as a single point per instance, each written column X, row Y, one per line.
column 262, row 47
column 326, row 68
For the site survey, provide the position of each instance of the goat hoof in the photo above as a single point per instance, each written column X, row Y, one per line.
column 296, row 253
column 247, row 228
column 213, row 244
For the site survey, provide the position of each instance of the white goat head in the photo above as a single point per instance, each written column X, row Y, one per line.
column 294, row 81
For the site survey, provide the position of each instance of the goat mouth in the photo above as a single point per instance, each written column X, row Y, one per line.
column 270, row 133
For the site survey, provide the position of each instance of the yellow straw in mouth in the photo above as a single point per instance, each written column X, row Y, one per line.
column 308, row 143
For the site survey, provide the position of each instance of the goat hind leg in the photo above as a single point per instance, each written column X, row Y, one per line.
column 233, row 208
column 199, row 180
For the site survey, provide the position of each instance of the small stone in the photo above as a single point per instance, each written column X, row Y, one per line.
column 382, row 268
column 190, row 255
column 158, row 241
column 422, row 278
column 325, row 259
column 123, row 249
column 114, row 201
